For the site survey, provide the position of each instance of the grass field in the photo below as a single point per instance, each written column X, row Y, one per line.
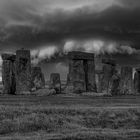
column 69, row 118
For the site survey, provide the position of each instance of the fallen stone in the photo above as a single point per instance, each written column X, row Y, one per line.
column 44, row 92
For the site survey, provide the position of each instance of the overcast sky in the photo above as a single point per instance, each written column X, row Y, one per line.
column 49, row 26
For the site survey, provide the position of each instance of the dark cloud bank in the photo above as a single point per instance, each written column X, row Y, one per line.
column 111, row 26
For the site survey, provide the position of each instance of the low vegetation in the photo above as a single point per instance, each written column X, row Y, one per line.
column 68, row 123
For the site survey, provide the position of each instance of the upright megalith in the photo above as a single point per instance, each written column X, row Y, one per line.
column 81, row 72
column 23, row 72
column 126, row 83
column 114, row 84
column 76, row 76
column 38, row 80
column 98, row 78
column 108, row 71
column 90, row 81
column 55, row 82
column 137, row 81
column 8, row 73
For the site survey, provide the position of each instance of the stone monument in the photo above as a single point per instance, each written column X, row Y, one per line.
column 38, row 80
column 108, row 71
column 137, row 81
column 8, row 73
column 55, row 82
column 23, row 72
column 81, row 72
column 126, row 83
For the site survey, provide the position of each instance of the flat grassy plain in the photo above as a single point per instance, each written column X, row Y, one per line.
column 69, row 118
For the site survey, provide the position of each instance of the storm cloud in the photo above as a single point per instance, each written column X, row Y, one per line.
column 40, row 24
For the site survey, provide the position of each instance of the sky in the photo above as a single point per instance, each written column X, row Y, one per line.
column 47, row 27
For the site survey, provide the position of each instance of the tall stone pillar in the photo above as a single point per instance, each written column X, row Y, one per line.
column 55, row 82
column 99, row 77
column 126, row 83
column 77, row 75
column 8, row 73
column 137, row 81
column 108, row 71
column 114, row 84
column 91, row 84
column 38, row 80
column 23, row 72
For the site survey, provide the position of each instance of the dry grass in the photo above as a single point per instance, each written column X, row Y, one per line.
column 68, row 123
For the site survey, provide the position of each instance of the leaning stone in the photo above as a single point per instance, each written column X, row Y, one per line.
column 44, row 92
column 52, row 92
column 55, row 82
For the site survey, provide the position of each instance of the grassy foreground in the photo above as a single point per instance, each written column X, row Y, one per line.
column 69, row 123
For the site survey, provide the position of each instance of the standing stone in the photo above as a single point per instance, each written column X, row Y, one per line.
column 126, row 83
column 55, row 82
column 68, row 79
column 108, row 71
column 23, row 72
column 8, row 73
column 114, row 84
column 137, row 81
column 99, row 77
column 91, row 84
column 77, row 76
column 38, row 80
column 81, row 72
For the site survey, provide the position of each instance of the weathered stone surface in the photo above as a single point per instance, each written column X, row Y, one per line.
column 109, row 61
column 126, row 85
column 98, row 79
column 8, row 74
column 108, row 71
column 10, row 57
column 23, row 71
column 55, row 82
column 76, row 76
column 90, row 71
column 114, row 84
column 137, row 82
column 80, row 55
column 68, row 79
column 81, row 72
column 38, row 80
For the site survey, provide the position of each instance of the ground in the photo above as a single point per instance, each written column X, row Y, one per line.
column 67, row 117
